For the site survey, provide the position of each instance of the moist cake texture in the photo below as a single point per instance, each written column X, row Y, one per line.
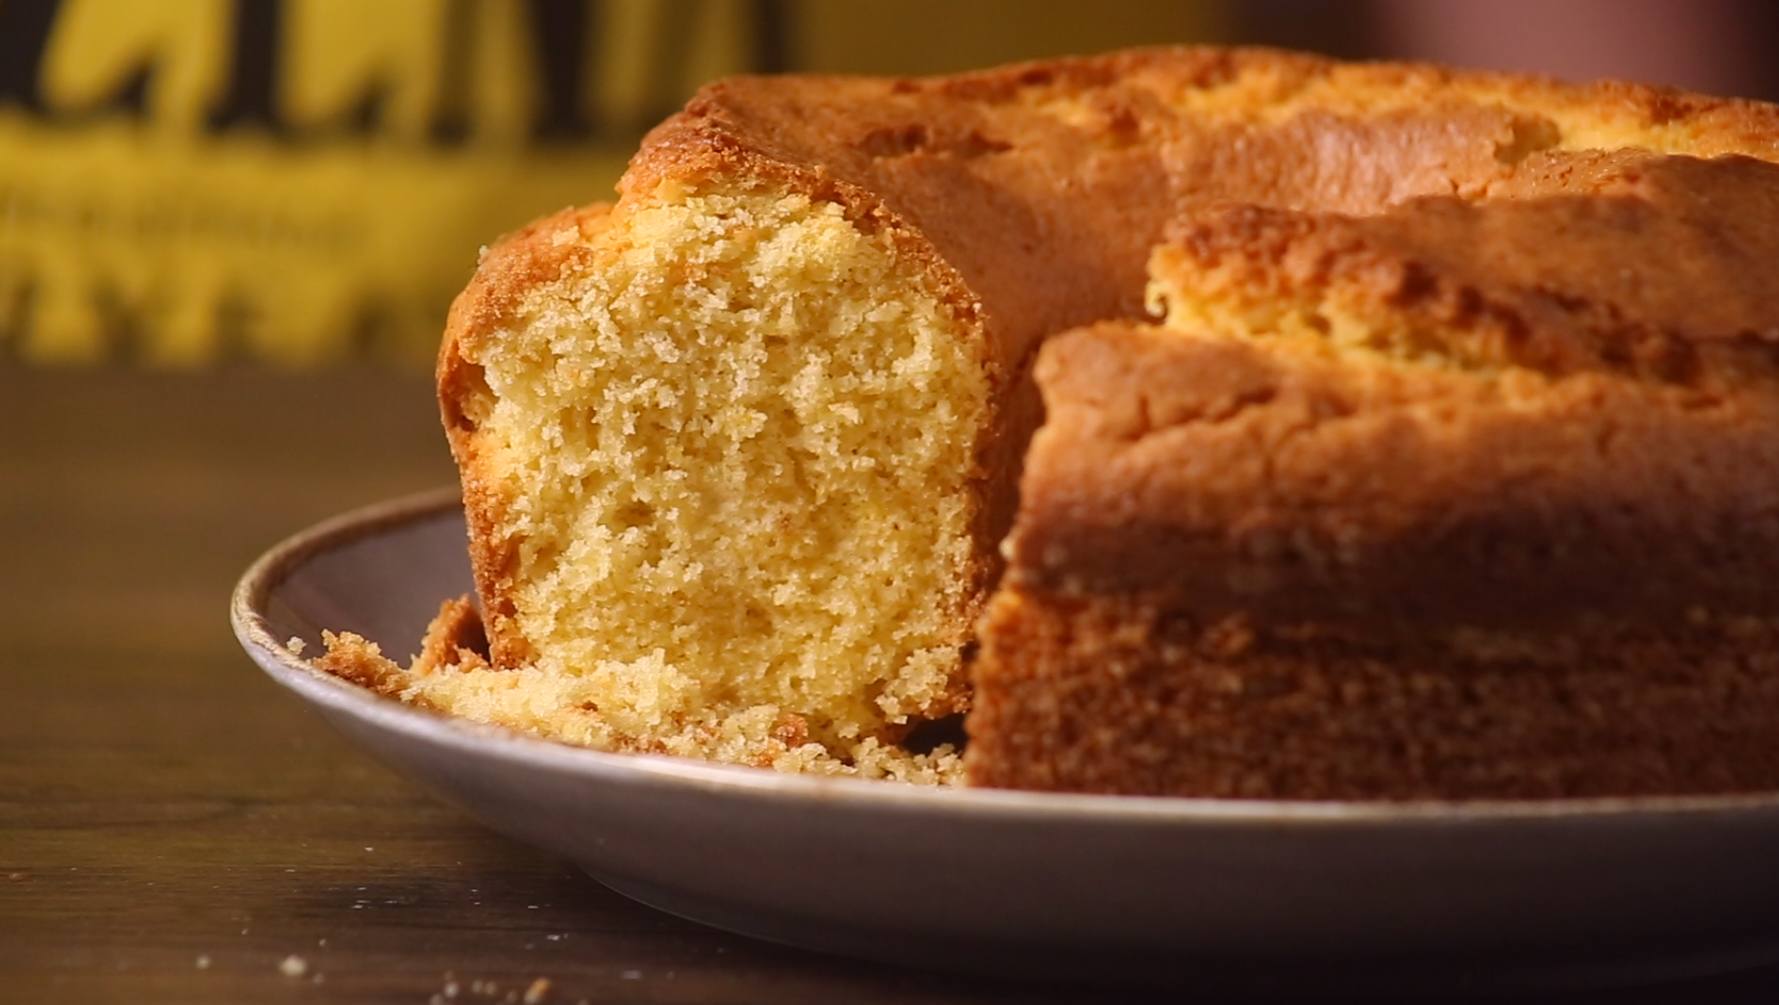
column 740, row 449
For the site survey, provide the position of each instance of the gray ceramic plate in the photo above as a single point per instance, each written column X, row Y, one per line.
column 1550, row 894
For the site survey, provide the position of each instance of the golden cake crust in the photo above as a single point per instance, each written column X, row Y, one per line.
column 1554, row 272
column 1242, row 481
column 1593, row 388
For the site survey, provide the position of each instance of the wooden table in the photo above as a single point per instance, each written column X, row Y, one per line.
column 174, row 829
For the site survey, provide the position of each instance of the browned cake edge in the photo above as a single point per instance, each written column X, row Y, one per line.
column 1241, row 570
column 517, row 262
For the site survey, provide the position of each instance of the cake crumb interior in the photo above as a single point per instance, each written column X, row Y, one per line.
column 737, row 454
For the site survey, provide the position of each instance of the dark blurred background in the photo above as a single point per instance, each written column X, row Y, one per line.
column 187, row 181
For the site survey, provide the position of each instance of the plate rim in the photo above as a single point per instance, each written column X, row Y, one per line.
column 263, row 577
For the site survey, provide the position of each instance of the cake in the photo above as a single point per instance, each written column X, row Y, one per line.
column 1459, row 499
column 740, row 450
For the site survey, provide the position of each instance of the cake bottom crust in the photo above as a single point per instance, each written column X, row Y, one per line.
column 1118, row 694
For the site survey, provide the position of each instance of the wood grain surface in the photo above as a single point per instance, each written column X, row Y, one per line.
column 175, row 829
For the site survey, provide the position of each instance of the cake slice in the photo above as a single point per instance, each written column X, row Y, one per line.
column 739, row 449
column 1458, row 500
